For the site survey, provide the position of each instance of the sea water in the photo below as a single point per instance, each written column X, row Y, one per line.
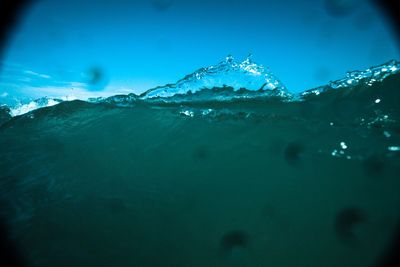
column 224, row 168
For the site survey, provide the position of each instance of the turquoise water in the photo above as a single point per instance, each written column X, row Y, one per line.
column 219, row 177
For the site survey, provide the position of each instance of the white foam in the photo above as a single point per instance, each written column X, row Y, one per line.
column 25, row 108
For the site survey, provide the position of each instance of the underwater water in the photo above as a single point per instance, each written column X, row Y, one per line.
column 240, row 174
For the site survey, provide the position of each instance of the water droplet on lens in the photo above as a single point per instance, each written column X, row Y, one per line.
column 95, row 74
column 346, row 221
column 234, row 239
column 293, row 152
column 201, row 153
column 95, row 79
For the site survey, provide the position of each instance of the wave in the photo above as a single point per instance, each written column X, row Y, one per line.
column 366, row 77
column 245, row 75
column 36, row 104
column 229, row 80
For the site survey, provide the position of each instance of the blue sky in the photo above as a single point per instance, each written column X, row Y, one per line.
column 92, row 48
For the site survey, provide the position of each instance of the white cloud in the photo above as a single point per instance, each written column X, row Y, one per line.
column 44, row 76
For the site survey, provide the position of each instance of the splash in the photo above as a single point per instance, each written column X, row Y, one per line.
column 366, row 77
column 43, row 102
column 228, row 73
column 21, row 109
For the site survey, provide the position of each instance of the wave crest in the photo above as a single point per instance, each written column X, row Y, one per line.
column 228, row 73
